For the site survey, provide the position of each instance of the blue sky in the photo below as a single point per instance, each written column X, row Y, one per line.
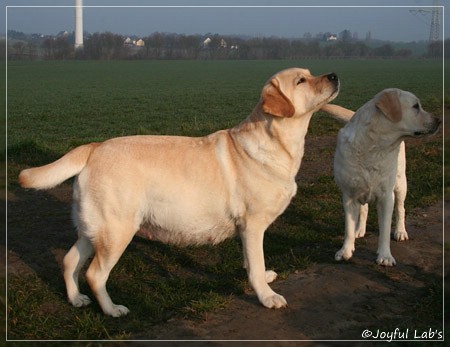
column 387, row 23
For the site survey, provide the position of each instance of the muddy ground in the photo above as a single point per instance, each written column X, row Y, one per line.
column 327, row 301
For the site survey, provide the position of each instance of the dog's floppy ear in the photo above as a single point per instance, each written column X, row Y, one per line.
column 389, row 104
column 275, row 102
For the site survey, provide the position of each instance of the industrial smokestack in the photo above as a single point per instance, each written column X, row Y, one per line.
column 78, row 24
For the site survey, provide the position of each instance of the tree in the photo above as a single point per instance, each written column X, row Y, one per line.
column 435, row 50
column 19, row 49
column 384, row 51
column 345, row 36
column 105, row 46
column 57, row 48
column 447, row 49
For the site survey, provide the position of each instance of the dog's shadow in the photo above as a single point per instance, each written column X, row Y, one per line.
column 40, row 232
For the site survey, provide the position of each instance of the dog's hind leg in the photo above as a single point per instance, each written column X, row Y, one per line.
column 73, row 262
column 109, row 246
column 362, row 221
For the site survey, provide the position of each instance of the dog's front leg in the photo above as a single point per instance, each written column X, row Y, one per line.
column 269, row 274
column 252, row 242
column 400, row 190
column 352, row 210
column 385, row 207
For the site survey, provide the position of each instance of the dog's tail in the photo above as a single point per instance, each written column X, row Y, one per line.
column 338, row 112
column 49, row 176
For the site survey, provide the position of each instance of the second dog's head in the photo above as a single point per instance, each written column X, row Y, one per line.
column 404, row 111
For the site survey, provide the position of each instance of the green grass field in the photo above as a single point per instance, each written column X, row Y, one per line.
column 55, row 106
column 61, row 104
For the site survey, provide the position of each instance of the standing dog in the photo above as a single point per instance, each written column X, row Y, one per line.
column 186, row 190
column 400, row 188
column 367, row 161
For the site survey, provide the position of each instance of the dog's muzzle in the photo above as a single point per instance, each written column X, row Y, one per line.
column 333, row 78
column 431, row 128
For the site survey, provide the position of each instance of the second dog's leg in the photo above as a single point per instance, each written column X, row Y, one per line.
column 385, row 206
column 400, row 190
column 362, row 221
column 352, row 209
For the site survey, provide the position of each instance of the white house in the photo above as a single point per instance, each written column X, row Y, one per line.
column 206, row 42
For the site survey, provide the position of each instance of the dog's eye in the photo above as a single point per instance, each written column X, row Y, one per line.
column 417, row 106
column 301, row 80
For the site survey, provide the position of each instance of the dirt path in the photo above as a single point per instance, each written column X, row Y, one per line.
column 337, row 301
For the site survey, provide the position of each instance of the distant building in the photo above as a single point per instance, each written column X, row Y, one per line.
column 137, row 43
column 206, row 42
column 64, row 33
column 332, row 37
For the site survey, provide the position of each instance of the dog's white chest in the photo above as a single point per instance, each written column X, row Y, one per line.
column 365, row 178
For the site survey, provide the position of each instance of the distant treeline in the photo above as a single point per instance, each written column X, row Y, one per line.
column 109, row 46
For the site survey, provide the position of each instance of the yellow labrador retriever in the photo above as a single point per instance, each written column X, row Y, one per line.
column 369, row 165
column 186, row 190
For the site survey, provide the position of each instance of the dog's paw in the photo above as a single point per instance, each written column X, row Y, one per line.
column 274, row 301
column 401, row 235
column 271, row 276
column 344, row 253
column 117, row 311
column 386, row 260
column 80, row 300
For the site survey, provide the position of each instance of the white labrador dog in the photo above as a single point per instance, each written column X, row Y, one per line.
column 400, row 188
column 186, row 190
column 370, row 161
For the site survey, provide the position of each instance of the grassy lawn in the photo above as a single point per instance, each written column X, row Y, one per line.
column 55, row 106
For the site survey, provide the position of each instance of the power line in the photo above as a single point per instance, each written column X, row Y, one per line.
column 435, row 26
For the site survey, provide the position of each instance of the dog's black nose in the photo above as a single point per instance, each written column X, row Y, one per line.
column 333, row 77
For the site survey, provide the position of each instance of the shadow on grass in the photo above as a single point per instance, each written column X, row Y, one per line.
column 30, row 153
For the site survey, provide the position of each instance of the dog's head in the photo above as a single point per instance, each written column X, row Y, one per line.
column 405, row 113
column 295, row 92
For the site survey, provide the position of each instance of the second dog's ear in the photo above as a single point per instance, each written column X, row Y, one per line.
column 389, row 104
column 275, row 102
